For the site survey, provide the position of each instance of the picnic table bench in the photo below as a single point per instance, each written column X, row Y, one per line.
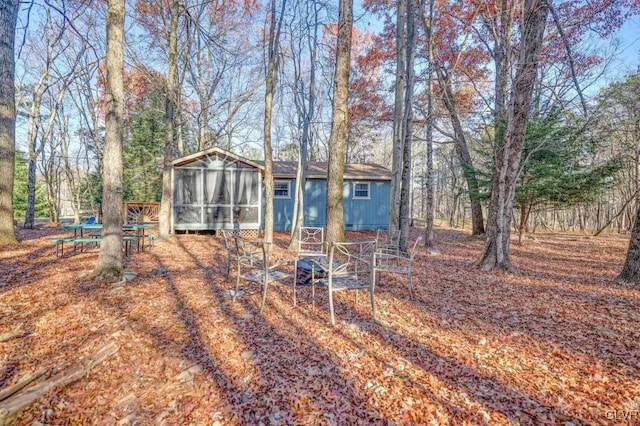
column 59, row 242
column 128, row 240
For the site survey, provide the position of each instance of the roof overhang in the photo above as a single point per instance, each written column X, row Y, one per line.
column 288, row 169
column 214, row 151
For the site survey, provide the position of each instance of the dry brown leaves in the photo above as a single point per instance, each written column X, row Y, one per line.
column 558, row 342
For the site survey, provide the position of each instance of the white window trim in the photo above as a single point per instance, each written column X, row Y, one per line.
column 356, row 197
column 284, row 197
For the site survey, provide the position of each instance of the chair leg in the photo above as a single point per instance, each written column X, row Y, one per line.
column 410, row 286
column 373, row 304
column 313, row 287
column 235, row 292
column 333, row 319
column 295, row 281
column 265, row 285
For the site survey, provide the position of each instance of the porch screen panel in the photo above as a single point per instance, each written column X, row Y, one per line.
column 187, row 195
column 217, row 208
column 188, row 186
column 247, row 196
column 226, row 199
column 211, row 185
column 247, row 188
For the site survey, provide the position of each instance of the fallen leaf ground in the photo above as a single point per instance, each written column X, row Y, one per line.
column 558, row 343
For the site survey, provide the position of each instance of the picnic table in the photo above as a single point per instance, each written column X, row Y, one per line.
column 138, row 235
column 139, row 231
column 81, row 227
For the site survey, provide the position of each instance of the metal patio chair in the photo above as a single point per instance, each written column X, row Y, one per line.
column 249, row 256
column 350, row 268
column 261, row 272
column 310, row 252
column 396, row 261
column 386, row 239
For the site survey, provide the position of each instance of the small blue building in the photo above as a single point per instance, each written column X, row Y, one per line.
column 212, row 187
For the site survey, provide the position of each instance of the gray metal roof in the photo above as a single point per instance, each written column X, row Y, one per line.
column 318, row 170
column 288, row 169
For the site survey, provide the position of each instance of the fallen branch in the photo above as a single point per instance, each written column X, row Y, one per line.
column 10, row 407
column 9, row 335
column 11, row 390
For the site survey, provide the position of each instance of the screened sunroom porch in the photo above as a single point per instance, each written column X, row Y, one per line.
column 212, row 191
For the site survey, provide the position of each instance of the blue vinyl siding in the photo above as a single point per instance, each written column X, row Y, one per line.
column 363, row 214
column 359, row 214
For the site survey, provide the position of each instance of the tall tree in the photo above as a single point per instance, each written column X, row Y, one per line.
column 495, row 253
column 109, row 264
column 170, row 105
column 273, row 46
column 399, row 210
column 462, row 150
column 8, row 19
column 39, row 130
column 407, row 123
column 305, row 103
column 428, row 24
column 398, row 139
column 339, row 125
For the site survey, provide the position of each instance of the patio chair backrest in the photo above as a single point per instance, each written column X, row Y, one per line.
column 352, row 259
column 311, row 241
column 229, row 236
column 351, row 268
column 384, row 238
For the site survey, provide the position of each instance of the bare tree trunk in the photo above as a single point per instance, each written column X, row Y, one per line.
column 109, row 264
column 31, row 187
column 407, row 124
column 631, row 269
column 8, row 19
column 203, row 126
column 272, row 67
column 50, row 167
column 38, row 141
column 306, row 111
column 462, row 150
column 495, row 253
column 339, row 125
column 524, row 216
column 428, row 229
column 164, row 225
column 180, row 142
column 33, row 131
column 398, row 130
column 502, row 60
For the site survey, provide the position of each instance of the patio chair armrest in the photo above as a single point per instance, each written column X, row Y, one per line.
column 282, row 262
column 392, row 252
column 255, row 243
column 387, row 258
